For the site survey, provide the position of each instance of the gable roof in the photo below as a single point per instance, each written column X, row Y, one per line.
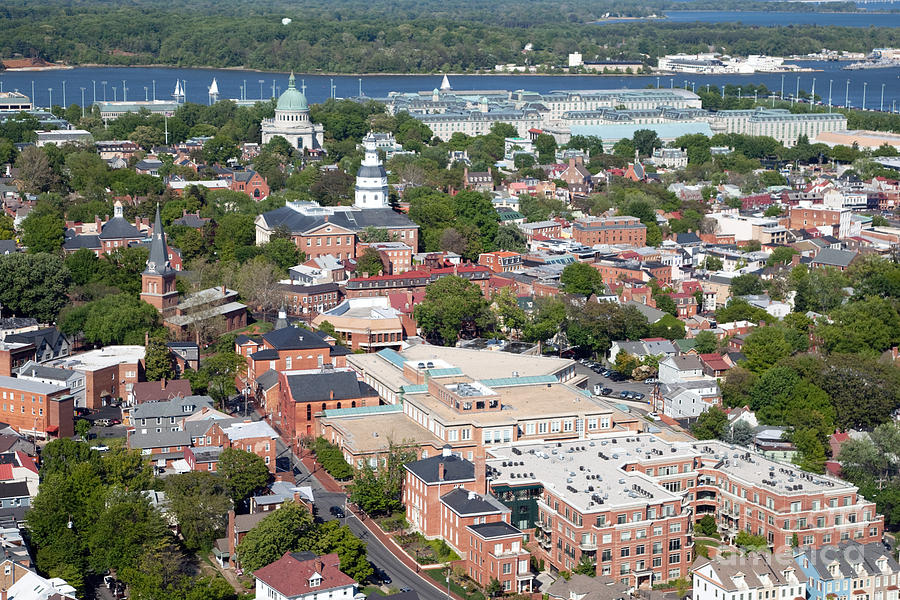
column 833, row 257
column 464, row 502
column 455, row 468
column 295, row 338
column 290, row 574
column 324, row 385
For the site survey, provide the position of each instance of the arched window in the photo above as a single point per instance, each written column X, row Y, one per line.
column 324, row 405
column 353, row 404
column 308, row 412
column 338, row 404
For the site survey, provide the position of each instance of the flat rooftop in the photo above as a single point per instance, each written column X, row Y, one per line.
column 101, row 358
column 519, row 403
column 586, row 470
column 756, row 469
column 28, row 385
column 480, row 364
column 373, row 432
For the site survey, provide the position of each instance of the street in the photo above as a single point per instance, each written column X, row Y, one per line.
column 379, row 555
column 617, row 386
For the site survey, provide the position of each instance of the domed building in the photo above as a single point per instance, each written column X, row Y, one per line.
column 292, row 121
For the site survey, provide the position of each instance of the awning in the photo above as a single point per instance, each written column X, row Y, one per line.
column 53, row 429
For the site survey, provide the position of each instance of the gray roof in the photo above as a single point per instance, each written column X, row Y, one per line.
column 268, row 380
column 159, row 440
column 371, row 171
column 652, row 314
column 14, row 489
column 76, row 242
column 752, row 567
column 846, row 555
column 325, row 385
column 171, row 408
column 158, row 261
column 467, row 503
column 455, row 468
column 295, row 338
column 36, row 370
column 119, row 228
column 494, row 530
column 832, row 257
column 25, row 385
column 588, row 588
column 354, row 220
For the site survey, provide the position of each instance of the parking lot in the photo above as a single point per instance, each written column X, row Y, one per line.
column 617, row 387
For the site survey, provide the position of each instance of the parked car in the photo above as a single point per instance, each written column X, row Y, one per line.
column 624, row 394
column 654, row 416
column 651, row 381
column 337, row 511
column 638, row 396
column 606, row 391
column 103, row 422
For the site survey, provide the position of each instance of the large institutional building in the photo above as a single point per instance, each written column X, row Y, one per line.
column 292, row 121
column 608, row 114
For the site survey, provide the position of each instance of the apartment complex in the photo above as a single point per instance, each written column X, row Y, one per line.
column 753, row 576
column 36, row 408
column 628, row 231
column 849, row 570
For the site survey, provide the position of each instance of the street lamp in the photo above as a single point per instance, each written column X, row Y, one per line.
column 261, row 82
column 146, row 94
column 124, row 96
column 82, row 103
column 865, row 85
column 812, row 95
column 103, row 83
column 115, row 93
column 830, row 81
column 154, row 90
column 782, row 87
column 64, row 93
column 94, row 86
column 881, row 106
column 51, row 99
column 847, row 96
column 244, row 91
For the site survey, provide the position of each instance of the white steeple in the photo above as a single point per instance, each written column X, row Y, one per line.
column 371, row 179
column 445, row 84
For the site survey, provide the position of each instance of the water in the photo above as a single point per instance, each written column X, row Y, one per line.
column 772, row 19
column 230, row 83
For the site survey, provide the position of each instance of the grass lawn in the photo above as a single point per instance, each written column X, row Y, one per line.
column 372, row 589
column 439, row 575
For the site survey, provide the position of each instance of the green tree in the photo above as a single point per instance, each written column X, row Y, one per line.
column 547, row 320
column 452, row 306
column 751, row 543
column 242, row 473
column 780, row 256
column 281, row 531
column 509, row 313
column 43, row 232
column 493, row 588
column 35, row 170
column 668, row 327
column 585, row 566
column 581, row 278
column 764, row 347
column 158, row 363
column 7, row 228
column 122, row 531
column 283, row 253
column 82, row 428
column 545, row 145
column 33, row 285
column 83, row 265
column 712, row 263
column 811, row 450
column 370, row 262
column 746, row 285
column 706, row 526
column 116, row 319
column 626, row 363
column 705, row 342
column 646, row 140
column 664, row 302
column 510, row 238
column 221, row 369
column 710, row 425
column 200, row 503
column 871, row 326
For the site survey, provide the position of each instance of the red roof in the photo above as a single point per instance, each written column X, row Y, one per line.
column 535, row 130
column 840, row 437
column 715, row 362
column 26, row 461
column 6, row 472
column 657, row 339
column 406, row 275
column 290, row 576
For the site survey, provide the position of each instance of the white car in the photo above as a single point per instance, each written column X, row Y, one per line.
column 654, row 416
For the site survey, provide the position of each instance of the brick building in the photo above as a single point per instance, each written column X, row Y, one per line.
column 36, row 408
column 109, row 373
column 413, row 281
column 310, row 300
column 591, row 231
column 501, row 261
column 819, row 215
column 288, row 349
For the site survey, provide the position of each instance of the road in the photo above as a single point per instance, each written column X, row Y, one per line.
column 617, row 386
column 379, row 555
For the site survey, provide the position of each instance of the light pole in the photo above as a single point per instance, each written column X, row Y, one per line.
column 115, row 94
column 154, row 90
column 830, row 81
column 847, row 96
column 146, row 94
column 331, row 89
column 82, row 103
column 360, row 87
column 64, row 93
column 261, row 81
column 244, row 91
column 94, row 86
column 797, row 97
column 865, row 85
column 812, row 95
column 782, row 87
column 881, row 106
column 103, row 83
column 671, row 83
column 124, row 95
column 657, row 83
column 51, row 99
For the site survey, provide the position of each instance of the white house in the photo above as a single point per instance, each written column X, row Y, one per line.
column 689, row 399
column 678, row 369
column 749, row 577
column 304, row 576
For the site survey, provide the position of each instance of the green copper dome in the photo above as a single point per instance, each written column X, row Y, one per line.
column 292, row 98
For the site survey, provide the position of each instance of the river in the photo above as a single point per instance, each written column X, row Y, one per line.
column 97, row 83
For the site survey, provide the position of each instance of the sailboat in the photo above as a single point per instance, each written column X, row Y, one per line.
column 213, row 91
column 445, row 84
column 178, row 94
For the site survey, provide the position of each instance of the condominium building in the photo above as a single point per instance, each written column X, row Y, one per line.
column 36, row 408
column 627, row 231
column 777, row 123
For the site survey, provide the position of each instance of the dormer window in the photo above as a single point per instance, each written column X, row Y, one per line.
column 315, row 580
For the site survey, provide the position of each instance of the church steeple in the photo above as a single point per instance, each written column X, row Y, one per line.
column 158, row 262
column 158, row 279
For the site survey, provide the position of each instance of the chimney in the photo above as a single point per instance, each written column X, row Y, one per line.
column 3, row 591
column 572, row 162
column 795, row 260
column 331, row 394
column 320, row 566
column 480, row 474
column 440, row 471
column 224, row 290
column 162, row 384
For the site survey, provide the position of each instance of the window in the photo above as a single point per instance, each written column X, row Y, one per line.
column 674, row 558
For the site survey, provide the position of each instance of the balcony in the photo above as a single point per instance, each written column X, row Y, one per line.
column 545, row 527
column 587, row 546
